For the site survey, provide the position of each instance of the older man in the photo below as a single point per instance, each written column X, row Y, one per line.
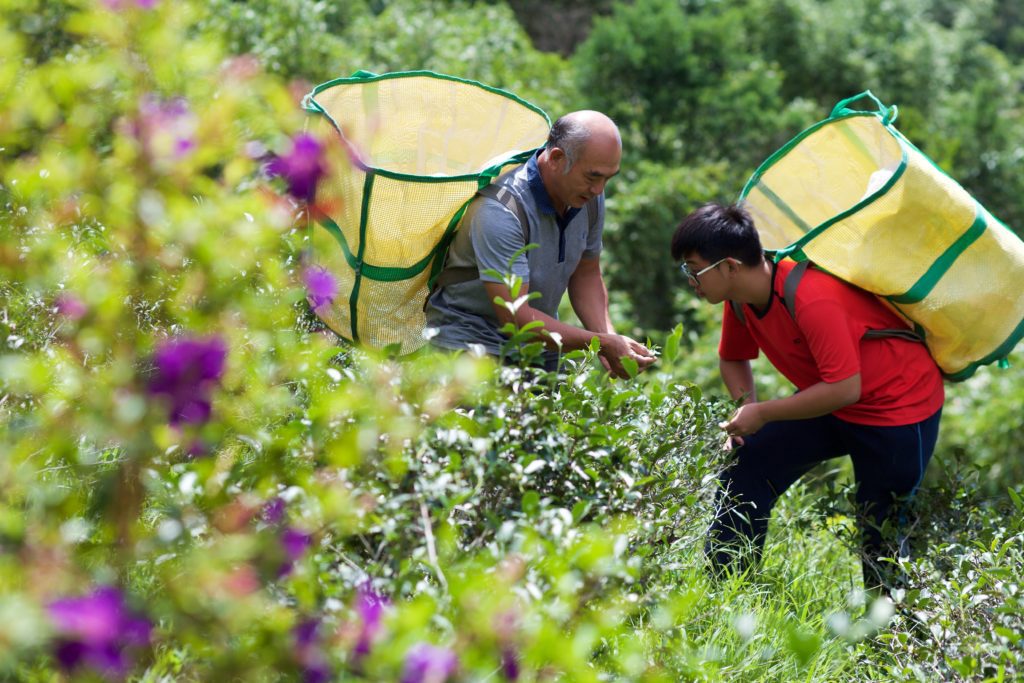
column 560, row 195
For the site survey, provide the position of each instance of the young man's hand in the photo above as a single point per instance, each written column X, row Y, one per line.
column 745, row 421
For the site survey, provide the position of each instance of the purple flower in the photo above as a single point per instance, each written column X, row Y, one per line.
column 70, row 306
column 294, row 543
column 370, row 608
column 509, row 664
column 95, row 631
column 426, row 663
column 321, row 287
column 273, row 511
column 314, row 665
column 301, row 167
column 186, row 371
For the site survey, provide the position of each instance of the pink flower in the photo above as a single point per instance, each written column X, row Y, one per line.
column 118, row 5
column 426, row 663
column 315, row 668
column 70, row 306
column 294, row 543
column 166, row 128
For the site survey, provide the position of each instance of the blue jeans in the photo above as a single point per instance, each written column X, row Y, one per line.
column 888, row 465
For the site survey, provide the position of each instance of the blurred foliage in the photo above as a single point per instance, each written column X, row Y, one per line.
column 335, row 512
column 647, row 202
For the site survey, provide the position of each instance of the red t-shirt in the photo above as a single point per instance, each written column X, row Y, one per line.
column 900, row 383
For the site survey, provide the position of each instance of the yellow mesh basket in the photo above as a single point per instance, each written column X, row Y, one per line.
column 420, row 145
column 858, row 199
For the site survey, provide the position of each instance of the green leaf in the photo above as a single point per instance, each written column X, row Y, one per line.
column 803, row 644
column 1018, row 502
column 580, row 510
column 671, row 350
column 631, row 366
column 531, row 503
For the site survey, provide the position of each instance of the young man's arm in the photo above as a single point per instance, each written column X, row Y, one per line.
column 814, row 401
column 738, row 379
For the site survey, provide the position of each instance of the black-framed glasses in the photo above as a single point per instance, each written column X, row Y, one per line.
column 692, row 277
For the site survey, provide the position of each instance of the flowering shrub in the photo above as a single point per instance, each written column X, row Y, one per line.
column 197, row 484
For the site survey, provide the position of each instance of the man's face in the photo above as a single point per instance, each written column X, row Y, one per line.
column 598, row 162
column 707, row 279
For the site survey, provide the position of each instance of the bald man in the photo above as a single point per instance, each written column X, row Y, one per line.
column 560, row 193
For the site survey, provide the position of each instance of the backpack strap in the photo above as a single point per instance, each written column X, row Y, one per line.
column 790, row 285
column 453, row 275
column 737, row 308
column 458, row 274
column 789, row 299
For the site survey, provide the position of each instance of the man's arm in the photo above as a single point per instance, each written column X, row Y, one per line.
column 589, row 296
column 613, row 346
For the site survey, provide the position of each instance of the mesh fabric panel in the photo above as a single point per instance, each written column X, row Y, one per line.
column 421, row 145
column 858, row 200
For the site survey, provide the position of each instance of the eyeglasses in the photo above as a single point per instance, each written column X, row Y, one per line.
column 692, row 277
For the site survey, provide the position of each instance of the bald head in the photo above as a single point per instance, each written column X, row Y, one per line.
column 574, row 131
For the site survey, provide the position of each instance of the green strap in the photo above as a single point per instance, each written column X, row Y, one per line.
column 926, row 283
column 887, row 114
column 363, row 218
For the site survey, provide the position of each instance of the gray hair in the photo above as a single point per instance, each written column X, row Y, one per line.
column 569, row 134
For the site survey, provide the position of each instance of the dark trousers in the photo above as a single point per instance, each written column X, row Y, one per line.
column 888, row 465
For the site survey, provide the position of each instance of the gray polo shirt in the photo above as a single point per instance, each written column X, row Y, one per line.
column 488, row 237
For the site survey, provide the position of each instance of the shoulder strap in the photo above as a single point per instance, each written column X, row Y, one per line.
column 788, row 292
column 458, row 274
column 790, row 285
column 508, row 200
column 789, row 297
column 737, row 308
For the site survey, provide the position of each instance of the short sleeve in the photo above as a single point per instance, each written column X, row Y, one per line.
column 736, row 342
column 594, row 244
column 496, row 235
column 825, row 325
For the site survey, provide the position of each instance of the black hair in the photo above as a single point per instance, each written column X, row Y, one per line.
column 715, row 231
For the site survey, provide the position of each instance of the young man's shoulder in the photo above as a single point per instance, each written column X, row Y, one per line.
column 818, row 285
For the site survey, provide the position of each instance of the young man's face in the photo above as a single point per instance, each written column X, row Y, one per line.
column 708, row 279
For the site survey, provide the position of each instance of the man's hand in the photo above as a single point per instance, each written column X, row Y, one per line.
column 744, row 422
column 615, row 347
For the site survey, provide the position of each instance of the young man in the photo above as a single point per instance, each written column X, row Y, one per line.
column 554, row 190
column 878, row 400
